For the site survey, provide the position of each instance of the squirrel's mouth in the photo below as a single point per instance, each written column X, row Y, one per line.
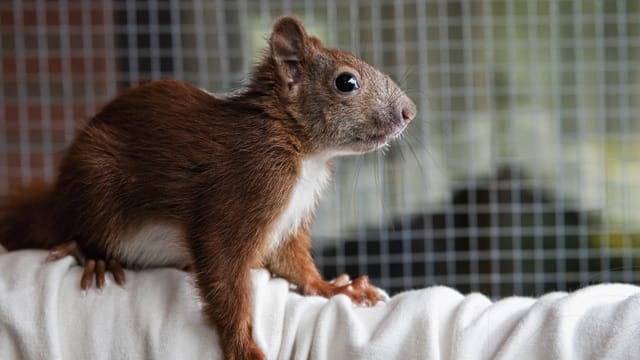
column 376, row 140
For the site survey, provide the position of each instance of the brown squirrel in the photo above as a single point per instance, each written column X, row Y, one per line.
column 167, row 174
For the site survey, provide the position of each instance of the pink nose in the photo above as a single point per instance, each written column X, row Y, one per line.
column 408, row 114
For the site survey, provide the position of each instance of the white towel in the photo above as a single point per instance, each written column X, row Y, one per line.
column 44, row 315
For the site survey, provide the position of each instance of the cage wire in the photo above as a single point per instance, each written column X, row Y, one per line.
column 520, row 175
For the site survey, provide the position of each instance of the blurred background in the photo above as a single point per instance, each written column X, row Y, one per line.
column 521, row 174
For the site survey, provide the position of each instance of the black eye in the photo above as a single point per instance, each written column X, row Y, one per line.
column 347, row 82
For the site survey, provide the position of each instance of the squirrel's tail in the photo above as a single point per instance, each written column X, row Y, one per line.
column 26, row 219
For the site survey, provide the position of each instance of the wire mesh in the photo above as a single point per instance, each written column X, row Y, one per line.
column 520, row 175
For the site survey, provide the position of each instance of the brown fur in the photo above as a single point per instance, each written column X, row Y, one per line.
column 223, row 170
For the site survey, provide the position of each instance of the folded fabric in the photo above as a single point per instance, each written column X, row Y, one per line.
column 44, row 315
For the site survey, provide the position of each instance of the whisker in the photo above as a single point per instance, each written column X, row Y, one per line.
column 354, row 185
column 415, row 155
column 413, row 91
column 399, row 150
column 417, row 139
column 386, row 211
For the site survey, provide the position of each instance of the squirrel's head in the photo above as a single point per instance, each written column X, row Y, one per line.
column 345, row 105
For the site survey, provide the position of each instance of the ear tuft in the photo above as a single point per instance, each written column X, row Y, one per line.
column 288, row 39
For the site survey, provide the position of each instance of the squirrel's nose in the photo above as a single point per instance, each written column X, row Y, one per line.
column 408, row 111
column 407, row 115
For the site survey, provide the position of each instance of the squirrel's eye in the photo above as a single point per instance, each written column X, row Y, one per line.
column 347, row 82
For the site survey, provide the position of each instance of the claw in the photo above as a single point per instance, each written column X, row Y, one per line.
column 361, row 282
column 101, row 267
column 87, row 274
column 342, row 280
column 98, row 269
column 117, row 271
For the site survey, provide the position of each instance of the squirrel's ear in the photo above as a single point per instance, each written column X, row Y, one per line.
column 288, row 39
column 287, row 43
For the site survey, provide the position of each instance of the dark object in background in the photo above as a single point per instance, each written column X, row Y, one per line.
column 503, row 233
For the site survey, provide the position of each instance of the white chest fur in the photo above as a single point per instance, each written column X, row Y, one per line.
column 313, row 178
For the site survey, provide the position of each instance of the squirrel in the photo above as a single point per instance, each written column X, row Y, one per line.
column 167, row 174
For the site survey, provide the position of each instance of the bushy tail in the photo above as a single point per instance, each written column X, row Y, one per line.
column 26, row 219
